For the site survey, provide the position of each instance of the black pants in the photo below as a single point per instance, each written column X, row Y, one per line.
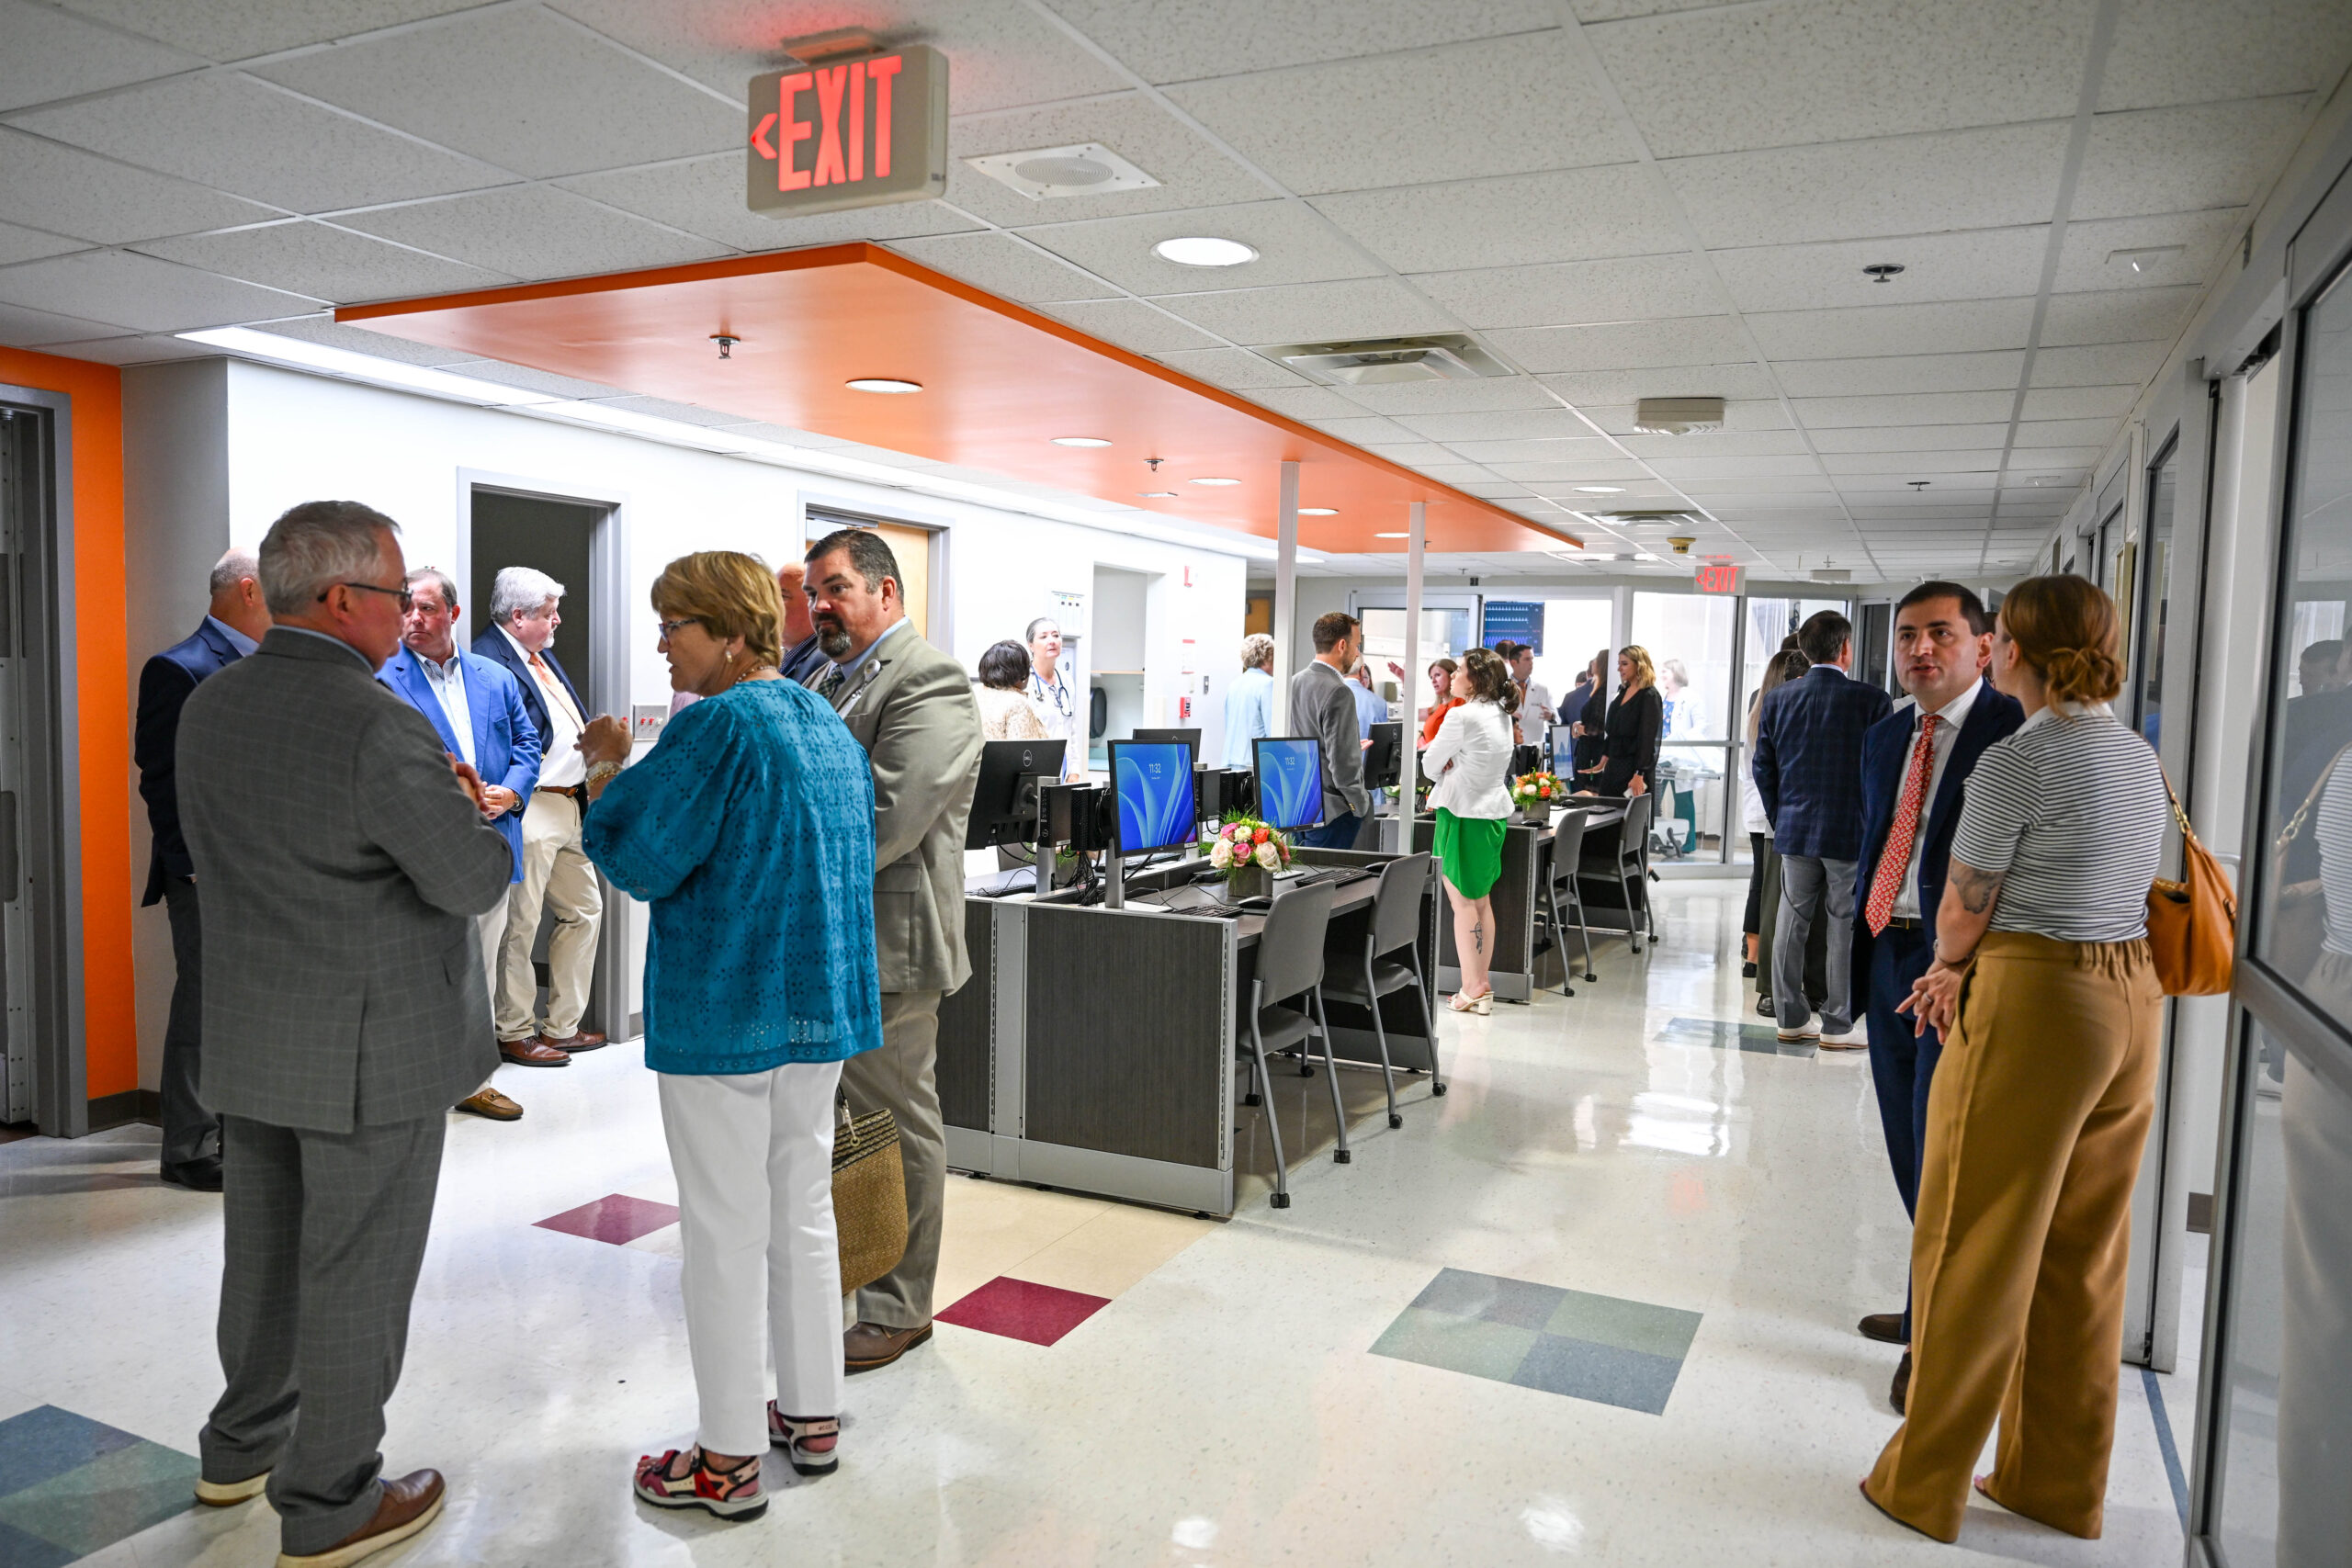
column 191, row 1133
column 1749, row 923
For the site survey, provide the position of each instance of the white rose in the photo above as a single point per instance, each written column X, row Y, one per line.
column 1221, row 855
column 1269, row 856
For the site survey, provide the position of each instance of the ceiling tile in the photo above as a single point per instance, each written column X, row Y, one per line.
column 132, row 348
column 1685, row 340
column 1311, row 313
column 1981, row 372
column 1978, row 264
column 1132, row 325
column 538, row 380
column 1504, row 449
column 2047, row 459
column 520, row 89
column 1455, row 473
column 1913, row 465
column 141, row 293
column 1191, row 171
column 1553, row 423
column 685, row 413
column 2181, row 160
column 706, row 196
column 1910, row 438
column 1757, row 484
column 2187, row 52
column 1453, row 397
column 1561, row 215
column 1415, row 454
column 323, row 262
column 1553, row 472
column 1742, row 381
column 21, row 328
column 27, row 244
column 225, row 33
column 1754, row 413
column 1005, row 267
column 1439, row 114
column 532, row 231
column 1681, row 468
column 1961, row 326
column 1494, row 489
column 53, row 54
column 2121, row 315
column 67, row 191
column 2065, row 431
column 1964, row 179
column 1715, row 443
column 1307, row 402
column 2078, row 403
column 1841, row 70
column 1364, row 429
column 1235, row 369
column 1292, row 244
column 1914, row 407
column 1182, row 43
column 2083, row 259
column 1570, row 293
column 2101, row 364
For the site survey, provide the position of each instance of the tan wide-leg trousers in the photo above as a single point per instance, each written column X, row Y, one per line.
column 557, row 875
column 2041, row 1107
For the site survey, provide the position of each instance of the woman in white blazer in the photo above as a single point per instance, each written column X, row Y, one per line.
column 1469, row 759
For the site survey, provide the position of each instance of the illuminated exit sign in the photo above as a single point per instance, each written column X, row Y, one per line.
column 1717, row 577
column 827, row 137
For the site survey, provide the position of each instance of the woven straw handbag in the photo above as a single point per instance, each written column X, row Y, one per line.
column 869, row 1196
column 2193, row 923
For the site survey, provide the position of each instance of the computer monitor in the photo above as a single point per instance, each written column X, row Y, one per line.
column 1289, row 774
column 1173, row 736
column 1384, row 762
column 1525, row 759
column 1151, row 781
column 1004, row 799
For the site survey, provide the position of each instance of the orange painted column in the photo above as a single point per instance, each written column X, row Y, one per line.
column 102, row 694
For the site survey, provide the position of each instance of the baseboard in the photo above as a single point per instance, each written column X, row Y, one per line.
column 122, row 1109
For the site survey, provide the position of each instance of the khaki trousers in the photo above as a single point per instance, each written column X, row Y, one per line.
column 901, row 1079
column 2035, row 1125
column 557, row 876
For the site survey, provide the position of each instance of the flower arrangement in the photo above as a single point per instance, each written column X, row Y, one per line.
column 1537, row 790
column 1245, row 850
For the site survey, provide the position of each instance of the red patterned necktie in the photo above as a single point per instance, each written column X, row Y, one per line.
column 1894, row 861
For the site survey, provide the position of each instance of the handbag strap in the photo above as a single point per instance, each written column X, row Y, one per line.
column 2294, row 828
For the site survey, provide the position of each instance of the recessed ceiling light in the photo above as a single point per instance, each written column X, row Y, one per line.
column 1203, row 250
column 1334, row 512
column 1391, row 536
column 1080, row 441
column 882, row 384
column 1157, row 494
column 1217, row 482
column 1601, row 489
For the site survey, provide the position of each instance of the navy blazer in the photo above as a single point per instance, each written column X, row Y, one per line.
column 1809, row 764
column 493, row 645
column 1886, row 751
column 164, row 688
column 506, row 746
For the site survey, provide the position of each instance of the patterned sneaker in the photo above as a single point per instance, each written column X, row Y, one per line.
column 808, row 1440
column 728, row 1493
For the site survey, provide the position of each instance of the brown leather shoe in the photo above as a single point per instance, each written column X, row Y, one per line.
column 1900, row 1394
column 406, row 1507
column 532, row 1053
column 488, row 1101
column 583, row 1040
column 870, row 1345
column 1886, row 1328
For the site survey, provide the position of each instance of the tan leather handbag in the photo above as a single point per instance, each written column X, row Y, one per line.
column 869, row 1196
column 2193, row 923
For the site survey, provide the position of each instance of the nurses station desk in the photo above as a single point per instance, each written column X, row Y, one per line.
column 1096, row 1049
column 1519, row 893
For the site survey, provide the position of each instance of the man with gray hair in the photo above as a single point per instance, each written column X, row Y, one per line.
column 1249, row 701
column 524, row 615
column 233, row 623
column 343, row 859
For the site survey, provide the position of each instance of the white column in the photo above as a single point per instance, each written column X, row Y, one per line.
column 1409, row 757
column 1285, row 601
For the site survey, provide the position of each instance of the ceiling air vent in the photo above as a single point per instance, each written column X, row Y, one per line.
column 1643, row 519
column 1088, row 169
column 1832, row 574
column 1373, row 363
column 1678, row 416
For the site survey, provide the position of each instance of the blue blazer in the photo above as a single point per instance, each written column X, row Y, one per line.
column 163, row 687
column 507, row 745
column 1808, row 762
column 492, row 645
column 1886, row 751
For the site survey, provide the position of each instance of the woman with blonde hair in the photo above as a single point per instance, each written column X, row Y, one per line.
column 748, row 828
column 2046, row 997
column 1468, row 760
column 1637, row 722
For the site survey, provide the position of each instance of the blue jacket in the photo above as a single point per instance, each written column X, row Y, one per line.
column 163, row 687
column 1808, row 762
column 506, row 747
column 748, row 828
column 492, row 645
column 1886, row 751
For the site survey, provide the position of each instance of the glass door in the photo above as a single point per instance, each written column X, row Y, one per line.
column 1691, row 639
column 2155, row 574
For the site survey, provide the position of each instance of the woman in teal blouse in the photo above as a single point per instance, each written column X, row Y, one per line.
column 749, row 828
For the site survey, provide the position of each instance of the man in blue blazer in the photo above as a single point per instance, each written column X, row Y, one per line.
column 1916, row 763
column 477, row 710
column 232, row 625
column 1808, row 771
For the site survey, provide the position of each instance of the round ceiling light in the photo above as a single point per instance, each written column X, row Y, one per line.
column 1601, row 489
column 1203, row 250
column 1157, row 494
column 1217, row 482
column 1319, row 512
column 882, row 384
column 1080, row 441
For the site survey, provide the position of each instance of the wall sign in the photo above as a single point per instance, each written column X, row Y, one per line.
column 1520, row 620
column 827, row 137
column 1717, row 577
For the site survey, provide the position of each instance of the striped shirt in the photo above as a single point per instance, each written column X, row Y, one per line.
column 2072, row 812
column 2331, row 830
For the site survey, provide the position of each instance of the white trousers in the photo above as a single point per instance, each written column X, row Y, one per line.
column 754, row 1154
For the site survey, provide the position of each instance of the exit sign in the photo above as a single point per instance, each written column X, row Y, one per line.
column 1717, row 577
column 862, row 134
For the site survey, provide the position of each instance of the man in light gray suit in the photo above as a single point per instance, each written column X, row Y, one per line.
column 910, row 707
column 1322, row 706
column 343, row 858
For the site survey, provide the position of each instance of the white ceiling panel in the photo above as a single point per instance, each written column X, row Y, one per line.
column 1550, row 473
column 535, row 380
column 1453, row 397
column 2181, row 160
column 1746, row 381
column 29, row 244
column 1503, row 450
column 1561, row 215
column 133, row 348
column 1364, row 429
column 2189, row 52
column 323, row 261
column 1551, row 423
column 2078, row 403
column 1961, row 326
column 706, row 196
column 1685, row 340
column 66, row 191
column 1191, row 172
column 2101, row 364
column 1760, row 484
column 1235, row 369
column 1715, row 443
column 1879, row 492
column 1996, row 178
column 1911, row 438
column 1916, row 408
column 1455, row 473
column 1293, row 246
column 520, row 89
column 2121, row 315
column 1914, row 465
column 141, row 293
column 1979, row 264
column 1131, row 324
column 1495, row 490
column 1749, row 76
column 1681, row 468
column 1005, row 267
column 1758, row 413
column 1443, row 114
column 532, row 231
column 2065, row 431
column 1307, row 402
column 1365, row 307
column 1207, row 38
column 1570, row 293
column 2053, row 459
column 53, row 54
column 2083, row 259
column 22, row 328
column 241, row 30
column 1981, row 372
column 1417, row 454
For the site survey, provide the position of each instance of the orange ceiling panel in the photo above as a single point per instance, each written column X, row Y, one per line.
column 999, row 382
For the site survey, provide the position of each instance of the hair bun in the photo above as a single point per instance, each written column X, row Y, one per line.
column 2082, row 674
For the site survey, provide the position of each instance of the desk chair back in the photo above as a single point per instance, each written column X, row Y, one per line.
column 1290, row 964
column 1290, row 950
column 1567, row 854
column 1633, row 867
column 1396, row 907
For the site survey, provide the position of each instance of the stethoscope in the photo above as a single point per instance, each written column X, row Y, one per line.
column 1058, row 692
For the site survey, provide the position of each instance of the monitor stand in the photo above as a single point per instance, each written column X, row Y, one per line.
column 1114, row 890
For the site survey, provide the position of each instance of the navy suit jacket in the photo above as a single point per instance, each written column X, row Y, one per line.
column 164, row 688
column 492, row 645
column 506, row 746
column 1808, row 762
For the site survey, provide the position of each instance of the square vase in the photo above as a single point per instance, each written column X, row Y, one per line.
column 1256, row 882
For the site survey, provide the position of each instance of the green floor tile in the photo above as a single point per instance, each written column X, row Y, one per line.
column 1468, row 1344
column 97, row 1504
column 1628, row 1325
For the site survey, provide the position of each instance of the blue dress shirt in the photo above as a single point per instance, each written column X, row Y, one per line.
column 1249, row 716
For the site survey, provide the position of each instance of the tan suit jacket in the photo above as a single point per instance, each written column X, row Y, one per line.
column 910, row 707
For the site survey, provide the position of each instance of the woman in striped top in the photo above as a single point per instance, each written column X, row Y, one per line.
column 2046, row 996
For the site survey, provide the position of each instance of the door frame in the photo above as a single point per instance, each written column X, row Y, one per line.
column 939, row 615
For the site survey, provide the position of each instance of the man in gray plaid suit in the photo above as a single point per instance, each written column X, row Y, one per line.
column 343, row 858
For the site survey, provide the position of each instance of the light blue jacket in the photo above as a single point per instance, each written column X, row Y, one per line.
column 1248, row 714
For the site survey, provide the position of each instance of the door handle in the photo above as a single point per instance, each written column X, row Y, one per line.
column 7, row 846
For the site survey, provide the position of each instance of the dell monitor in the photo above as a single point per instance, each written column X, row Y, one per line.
column 1152, row 783
column 1385, row 760
column 1004, row 800
column 1290, row 782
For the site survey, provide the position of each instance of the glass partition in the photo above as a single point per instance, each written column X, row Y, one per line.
column 1690, row 639
column 2155, row 571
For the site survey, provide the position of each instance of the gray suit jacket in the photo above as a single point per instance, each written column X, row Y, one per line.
column 910, row 707
column 1321, row 706
column 342, row 869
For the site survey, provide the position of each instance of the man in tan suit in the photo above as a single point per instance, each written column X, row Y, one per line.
column 910, row 707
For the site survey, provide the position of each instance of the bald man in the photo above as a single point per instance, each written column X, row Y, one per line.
column 802, row 657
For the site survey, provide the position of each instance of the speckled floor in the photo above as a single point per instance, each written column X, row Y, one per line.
column 1212, row 1391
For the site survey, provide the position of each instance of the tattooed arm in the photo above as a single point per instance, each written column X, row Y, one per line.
column 1962, row 916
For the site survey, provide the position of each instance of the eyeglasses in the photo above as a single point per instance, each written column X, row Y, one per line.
column 669, row 629
column 406, row 598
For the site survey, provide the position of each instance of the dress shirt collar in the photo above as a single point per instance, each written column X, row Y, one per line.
column 855, row 662
column 440, row 669
column 1954, row 713
column 237, row 639
column 514, row 642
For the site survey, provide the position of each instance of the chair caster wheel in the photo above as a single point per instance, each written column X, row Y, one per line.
column 1395, row 1121
column 1438, row 1087
column 1251, row 1100
column 1592, row 976
column 1305, row 1071
column 1280, row 1201
column 1342, row 1156
column 1567, row 990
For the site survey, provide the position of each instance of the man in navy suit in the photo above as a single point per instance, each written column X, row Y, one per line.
column 1916, row 763
column 232, row 628
column 477, row 710
column 1808, row 771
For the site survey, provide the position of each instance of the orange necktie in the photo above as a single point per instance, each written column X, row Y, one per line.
column 1894, row 861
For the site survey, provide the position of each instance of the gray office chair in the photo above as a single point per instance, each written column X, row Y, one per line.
column 1396, row 924
column 1290, row 965
column 1567, row 852
column 1634, row 868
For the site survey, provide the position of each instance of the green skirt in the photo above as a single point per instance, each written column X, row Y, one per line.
column 1471, row 849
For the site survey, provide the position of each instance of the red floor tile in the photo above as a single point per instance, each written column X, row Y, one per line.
column 617, row 1218
column 1018, row 1310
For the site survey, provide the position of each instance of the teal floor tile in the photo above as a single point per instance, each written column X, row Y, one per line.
column 1519, row 1302
column 1602, row 1374
column 114, row 1496
column 1628, row 1325
column 18, row 1550
column 1468, row 1344
column 46, row 1441
column 1760, row 1038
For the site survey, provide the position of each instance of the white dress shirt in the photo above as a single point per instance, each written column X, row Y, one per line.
column 447, row 683
column 1953, row 714
column 1066, row 719
column 561, row 763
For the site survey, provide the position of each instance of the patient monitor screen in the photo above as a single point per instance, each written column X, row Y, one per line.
column 1290, row 782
